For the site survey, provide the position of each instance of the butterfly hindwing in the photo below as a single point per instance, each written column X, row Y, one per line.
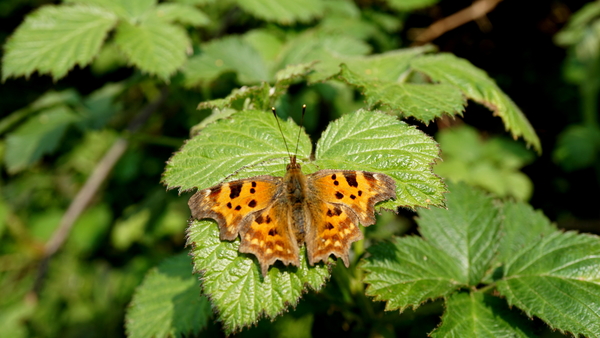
column 268, row 236
column 231, row 203
column 334, row 227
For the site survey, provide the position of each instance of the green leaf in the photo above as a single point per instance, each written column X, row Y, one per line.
column 477, row 314
column 248, row 139
column 424, row 102
column 228, row 54
column 38, row 136
column 557, row 279
column 168, row 302
column 521, row 225
column 468, row 231
column 410, row 5
column 491, row 164
column 245, row 98
column 234, row 283
column 47, row 100
column 285, row 12
column 54, row 39
column 373, row 141
column 327, row 50
column 578, row 147
column 184, row 14
column 155, row 47
column 130, row 10
column 408, row 272
column 479, row 87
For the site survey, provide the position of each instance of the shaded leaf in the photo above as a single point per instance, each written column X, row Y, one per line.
column 424, row 102
column 478, row 86
column 234, row 283
column 155, row 47
column 410, row 5
column 54, row 39
column 477, row 314
column 38, row 136
column 228, row 54
column 468, row 231
column 408, row 272
column 168, row 302
column 557, row 279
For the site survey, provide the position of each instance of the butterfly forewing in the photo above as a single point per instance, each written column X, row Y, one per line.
column 231, row 204
column 358, row 190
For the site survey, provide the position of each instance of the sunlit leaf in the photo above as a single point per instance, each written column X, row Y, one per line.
column 54, row 39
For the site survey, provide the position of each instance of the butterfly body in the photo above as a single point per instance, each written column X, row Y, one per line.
column 275, row 216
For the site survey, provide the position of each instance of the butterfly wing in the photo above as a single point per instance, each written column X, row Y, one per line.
column 358, row 190
column 269, row 237
column 339, row 200
column 231, row 204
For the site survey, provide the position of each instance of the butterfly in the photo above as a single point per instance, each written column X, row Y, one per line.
column 275, row 216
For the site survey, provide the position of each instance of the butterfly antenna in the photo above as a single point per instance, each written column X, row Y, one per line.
column 300, row 131
column 281, row 131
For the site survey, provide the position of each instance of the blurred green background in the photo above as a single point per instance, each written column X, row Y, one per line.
column 545, row 56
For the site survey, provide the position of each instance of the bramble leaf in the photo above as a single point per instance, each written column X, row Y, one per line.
column 248, row 139
column 557, row 279
column 373, row 141
column 477, row 314
column 468, row 231
column 422, row 101
column 228, row 54
column 54, row 39
column 168, row 303
column 283, row 11
column 408, row 272
column 234, row 283
column 479, row 87
column 185, row 14
column 521, row 225
column 155, row 47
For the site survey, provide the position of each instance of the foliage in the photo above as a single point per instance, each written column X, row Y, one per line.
column 98, row 138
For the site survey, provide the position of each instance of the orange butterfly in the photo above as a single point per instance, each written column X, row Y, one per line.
column 274, row 216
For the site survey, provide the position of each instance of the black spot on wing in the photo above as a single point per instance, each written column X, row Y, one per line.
column 260, row 219
column 252, row 203
column 329, row 226
column 236, row 189
column 339, row 195
column 272, row 232
column 238, row 208
column 351, row 179
column 337, row 211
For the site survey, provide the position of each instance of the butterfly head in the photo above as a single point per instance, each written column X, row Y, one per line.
column 293, row 164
